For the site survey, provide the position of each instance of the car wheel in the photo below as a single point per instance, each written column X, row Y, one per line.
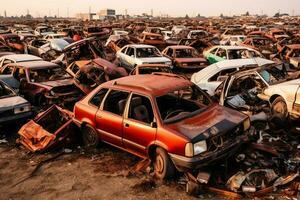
column 163, row 166
column 279, row 108
column 90, row 137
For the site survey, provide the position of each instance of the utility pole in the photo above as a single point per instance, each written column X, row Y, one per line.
column 5, row 15
column 68, row 12
column 58, row 13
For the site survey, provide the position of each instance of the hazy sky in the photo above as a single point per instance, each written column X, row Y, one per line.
column 171, row 7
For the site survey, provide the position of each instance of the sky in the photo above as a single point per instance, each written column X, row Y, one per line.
column 175, row 8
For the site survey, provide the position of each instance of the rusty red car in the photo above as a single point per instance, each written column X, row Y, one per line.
column 163, row 118
column 12, row 41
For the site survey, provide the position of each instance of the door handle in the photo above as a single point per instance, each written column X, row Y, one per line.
column 126, row 125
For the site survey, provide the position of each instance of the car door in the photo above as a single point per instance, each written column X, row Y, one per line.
column 139, row 124
column 211, row 56
column 130, row 57
column 109, row 118
column 121, row 56
column 7, row 76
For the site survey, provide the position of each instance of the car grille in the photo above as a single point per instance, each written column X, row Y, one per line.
column 218, row 141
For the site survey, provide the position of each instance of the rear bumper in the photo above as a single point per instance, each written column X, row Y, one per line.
column 183, row 163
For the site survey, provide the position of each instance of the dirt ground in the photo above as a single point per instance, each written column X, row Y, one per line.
column 103, row 174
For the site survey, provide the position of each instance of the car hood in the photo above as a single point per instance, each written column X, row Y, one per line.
column 292, row 82
column 10, row 102
column 188, row 60
column 51, row 84
column 213, row 121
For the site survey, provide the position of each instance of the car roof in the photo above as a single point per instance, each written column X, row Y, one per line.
column 140, row 46
column 293, row 46
column 21, row 57
column 149, row 84
column 231, row 47
column 229, row 64
column 180, row 47
column 35, row 65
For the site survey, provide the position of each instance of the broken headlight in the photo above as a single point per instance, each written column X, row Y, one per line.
column 246, row 124
column 22, row 108
column 52, row 93
column 195, row 149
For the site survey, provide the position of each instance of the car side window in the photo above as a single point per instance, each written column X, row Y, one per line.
column 98, row 98
column 221, row 53
column 130, row 51
column 20, row 74
column 8, row 70
column 140, row 109
column 124, row 50
column 170, row 52
column 74, row 68
column 214, row 51
column 116, row 102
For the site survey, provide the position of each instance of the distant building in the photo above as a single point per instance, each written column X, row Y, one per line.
column 107, row 13
column 86, row 16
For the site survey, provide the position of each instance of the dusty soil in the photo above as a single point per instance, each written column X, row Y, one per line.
column 103, row 174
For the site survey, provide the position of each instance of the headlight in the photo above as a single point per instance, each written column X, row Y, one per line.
column 168, row 63
column 52, row 93
column 246, row 124
column 22, row 109
column 200, row 147
column 195, row 149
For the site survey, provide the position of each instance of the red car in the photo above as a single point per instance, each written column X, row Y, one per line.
column 161, row 117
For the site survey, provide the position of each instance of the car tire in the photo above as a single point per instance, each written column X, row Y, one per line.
column 163, row 165
column 279, row 108
column 90, row 137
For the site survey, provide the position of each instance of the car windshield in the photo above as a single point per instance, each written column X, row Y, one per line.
column 14, row 40
column 182, row 103
column 147, row 52
column 186, row 53
column 48, row 74
column 58, row 44
column 45, row 30
column 150, row 70
column 273, row 75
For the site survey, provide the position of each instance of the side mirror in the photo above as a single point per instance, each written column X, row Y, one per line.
column 153, row 124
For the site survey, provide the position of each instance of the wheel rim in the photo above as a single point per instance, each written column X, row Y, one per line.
column 90, row 137
column 280, row 108
column 159, row 164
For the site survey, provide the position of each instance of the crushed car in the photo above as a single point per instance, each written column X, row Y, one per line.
column 48, row 131
column 88, row 74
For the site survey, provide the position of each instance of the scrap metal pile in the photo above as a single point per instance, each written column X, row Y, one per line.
column 215, row 100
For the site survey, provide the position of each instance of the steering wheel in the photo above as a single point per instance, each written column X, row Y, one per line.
column 169, row 114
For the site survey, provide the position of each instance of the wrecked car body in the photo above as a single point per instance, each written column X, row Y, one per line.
column 13, row 108
column 268, row 87
column 42, row 83
column 13, row 41
column 185, row 126
column 88, row 74
column 150, row 69
column 50, row 130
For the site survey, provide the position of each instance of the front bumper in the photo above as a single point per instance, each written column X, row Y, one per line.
column 183, row 163
column 15, row 118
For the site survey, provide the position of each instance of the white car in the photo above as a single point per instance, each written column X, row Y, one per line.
column 16, row 58
column 43, row 31
column 177, row 29
column 233, row 40
column 220, row 53
column 213, row 75
column 138, row 54
column 54, row 36
column 197, row 34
